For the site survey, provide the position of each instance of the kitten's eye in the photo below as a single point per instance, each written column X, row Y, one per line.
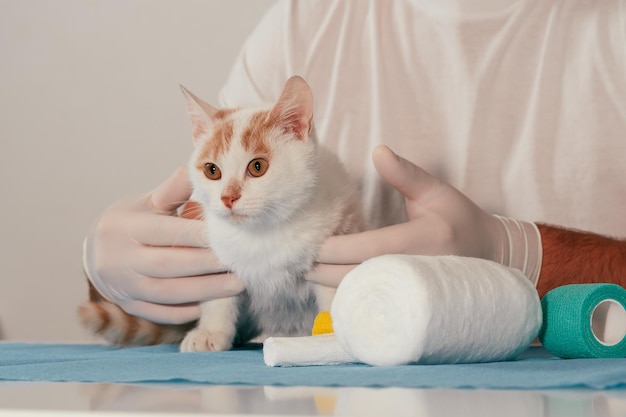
column 258, row 167
column 212, row 171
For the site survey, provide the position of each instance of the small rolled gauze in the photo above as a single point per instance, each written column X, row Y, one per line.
column 399, row 309
column 304, row 351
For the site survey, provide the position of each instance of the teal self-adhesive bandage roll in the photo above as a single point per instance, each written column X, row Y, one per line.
column 585, row 321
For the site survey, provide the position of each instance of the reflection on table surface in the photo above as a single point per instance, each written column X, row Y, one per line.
column 309, row 401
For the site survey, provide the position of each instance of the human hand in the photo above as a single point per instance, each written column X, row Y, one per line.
column 441, row 221
column 141, row 256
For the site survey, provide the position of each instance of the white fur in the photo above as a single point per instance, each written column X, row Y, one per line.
column 271, row 237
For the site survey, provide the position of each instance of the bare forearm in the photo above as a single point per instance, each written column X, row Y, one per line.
column 576, row 257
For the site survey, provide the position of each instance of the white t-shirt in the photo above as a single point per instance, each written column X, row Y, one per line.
column 521, row 105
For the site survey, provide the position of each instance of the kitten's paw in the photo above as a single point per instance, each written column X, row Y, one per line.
column 203, row 341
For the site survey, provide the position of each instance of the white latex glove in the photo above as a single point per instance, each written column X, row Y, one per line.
column 442, row 221
column 152, row 263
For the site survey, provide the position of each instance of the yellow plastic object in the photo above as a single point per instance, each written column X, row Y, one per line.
column 323, row 323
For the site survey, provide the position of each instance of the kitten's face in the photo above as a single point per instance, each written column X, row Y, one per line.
column 253, row 166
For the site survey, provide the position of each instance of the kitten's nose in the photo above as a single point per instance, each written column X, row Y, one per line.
column 229, row 199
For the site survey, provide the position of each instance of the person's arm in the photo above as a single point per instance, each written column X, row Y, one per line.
column 577, row 257
column 443, row 221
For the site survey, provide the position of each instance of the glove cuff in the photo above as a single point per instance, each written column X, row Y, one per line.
column 94, row 278
column 521, row 247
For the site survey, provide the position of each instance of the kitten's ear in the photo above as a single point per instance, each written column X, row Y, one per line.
column 294, row 109
column 201, row 115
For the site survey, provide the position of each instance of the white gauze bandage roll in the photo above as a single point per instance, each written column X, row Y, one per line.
column 399, row 309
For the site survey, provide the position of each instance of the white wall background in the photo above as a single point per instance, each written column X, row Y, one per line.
column 90, row 111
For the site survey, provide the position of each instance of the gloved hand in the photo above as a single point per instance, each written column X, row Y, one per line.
column 152, row 263
column 442, row 221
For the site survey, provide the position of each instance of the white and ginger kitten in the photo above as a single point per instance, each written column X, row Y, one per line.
column 270, row 195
